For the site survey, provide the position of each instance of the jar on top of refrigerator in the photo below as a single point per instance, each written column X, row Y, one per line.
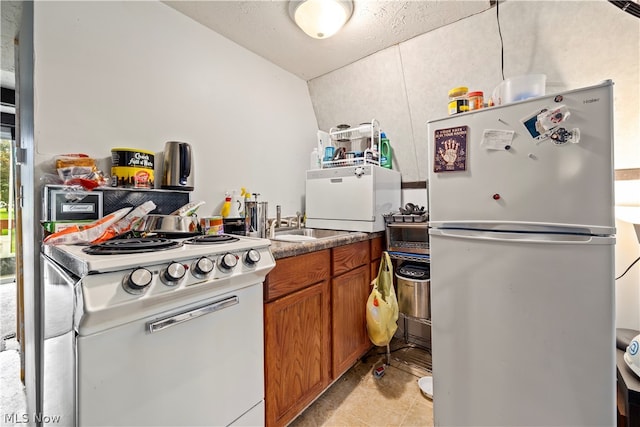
column 458, row 101
column 476, row 100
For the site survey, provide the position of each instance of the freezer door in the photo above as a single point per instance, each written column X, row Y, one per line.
column 522, row 329
column 527, row 180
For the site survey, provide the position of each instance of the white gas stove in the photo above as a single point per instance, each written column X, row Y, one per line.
column 160, row 331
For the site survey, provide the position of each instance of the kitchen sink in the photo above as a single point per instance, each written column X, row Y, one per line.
column 307, row 234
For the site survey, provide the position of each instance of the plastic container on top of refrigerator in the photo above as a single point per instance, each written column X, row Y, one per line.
column 519, row 88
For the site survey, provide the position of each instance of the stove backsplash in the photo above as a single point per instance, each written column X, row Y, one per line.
column 69, row 204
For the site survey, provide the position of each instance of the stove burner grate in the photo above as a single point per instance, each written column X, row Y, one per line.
column 211, row 239
column 132, row 246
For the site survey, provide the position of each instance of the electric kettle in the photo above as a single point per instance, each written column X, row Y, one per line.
column 178, row 166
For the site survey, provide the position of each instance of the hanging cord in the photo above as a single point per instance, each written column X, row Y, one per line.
column 501, row 41
column 628, row 268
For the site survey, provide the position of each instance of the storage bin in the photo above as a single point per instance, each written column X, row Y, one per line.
column 519, row 88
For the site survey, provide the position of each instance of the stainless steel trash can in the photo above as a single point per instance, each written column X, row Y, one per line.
column 414, row 286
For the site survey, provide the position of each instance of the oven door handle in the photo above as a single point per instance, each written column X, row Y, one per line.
column 167, row 322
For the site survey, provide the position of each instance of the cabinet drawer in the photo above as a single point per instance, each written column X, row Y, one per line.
column 348, row 257
column 294, row 273
column 377, row 246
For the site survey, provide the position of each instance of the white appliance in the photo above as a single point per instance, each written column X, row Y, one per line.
column 522, row 272
column 154, row 332
column 351, row 198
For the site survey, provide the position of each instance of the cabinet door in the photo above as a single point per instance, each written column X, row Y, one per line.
column 377, row 246
column 297, row 351
column 349, row 293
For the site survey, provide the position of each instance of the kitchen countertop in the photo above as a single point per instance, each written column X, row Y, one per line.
column 287, row 249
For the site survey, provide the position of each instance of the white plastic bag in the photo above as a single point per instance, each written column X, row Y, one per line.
column 382, row 305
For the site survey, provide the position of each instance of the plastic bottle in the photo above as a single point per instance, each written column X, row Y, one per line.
column 385, row 151
column 226, row 206
column 314, row 161
column 236, row 205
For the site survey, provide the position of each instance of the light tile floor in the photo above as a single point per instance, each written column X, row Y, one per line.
column 360, row 399
column 12, row 394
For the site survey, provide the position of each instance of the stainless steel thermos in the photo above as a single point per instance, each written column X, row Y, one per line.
column 256, row 216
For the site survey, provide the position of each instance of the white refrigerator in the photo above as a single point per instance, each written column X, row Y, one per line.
column 522, row 273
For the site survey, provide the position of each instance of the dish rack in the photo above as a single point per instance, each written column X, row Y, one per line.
column 345, row 140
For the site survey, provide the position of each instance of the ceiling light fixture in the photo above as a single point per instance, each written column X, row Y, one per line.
column 320, row 19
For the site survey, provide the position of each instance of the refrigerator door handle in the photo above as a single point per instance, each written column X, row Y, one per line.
column 523, row 237
column 521, row 226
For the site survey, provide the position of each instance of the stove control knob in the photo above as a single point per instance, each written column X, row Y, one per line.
column 173, row 273
column 137, row 281
column 228, row 261
column 252, row 257
column 202, row 267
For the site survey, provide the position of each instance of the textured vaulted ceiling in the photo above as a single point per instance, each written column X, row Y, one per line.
column 265, row 28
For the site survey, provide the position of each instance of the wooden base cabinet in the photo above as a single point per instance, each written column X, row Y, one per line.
column 297, row 335
column 377, row 246
column 315, row 323
column 297, row 345
column 349, row 293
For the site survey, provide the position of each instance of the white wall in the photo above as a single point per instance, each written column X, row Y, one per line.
column 406, row 85
column 575, row 43
column 138, row 74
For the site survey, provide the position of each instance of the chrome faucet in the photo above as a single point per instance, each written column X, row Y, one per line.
column 272, row 228
column 278, row 215
column 299, row 217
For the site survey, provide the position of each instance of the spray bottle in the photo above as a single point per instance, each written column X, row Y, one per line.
column 226, row 206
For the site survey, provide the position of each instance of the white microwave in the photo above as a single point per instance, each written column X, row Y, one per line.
column 352, row 198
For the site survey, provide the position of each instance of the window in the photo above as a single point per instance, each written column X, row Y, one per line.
column 7, row 218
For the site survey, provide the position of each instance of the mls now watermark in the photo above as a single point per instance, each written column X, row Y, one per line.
column 16, row 418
